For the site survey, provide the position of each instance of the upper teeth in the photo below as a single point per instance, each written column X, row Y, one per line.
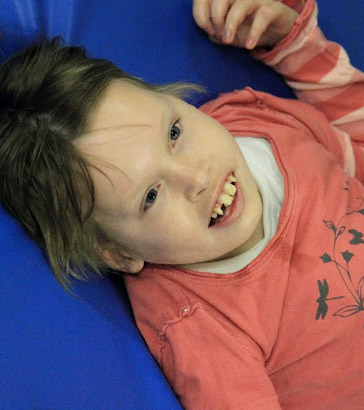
column 226, row 197
column 230, row 189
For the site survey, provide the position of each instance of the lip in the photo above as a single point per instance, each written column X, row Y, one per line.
column 234, row 210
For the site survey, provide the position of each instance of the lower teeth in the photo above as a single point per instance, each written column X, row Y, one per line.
column 214, row 220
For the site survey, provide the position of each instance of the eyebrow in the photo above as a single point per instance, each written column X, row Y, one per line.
column 163, row 124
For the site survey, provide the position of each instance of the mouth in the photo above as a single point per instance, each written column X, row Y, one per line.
column 224, row 211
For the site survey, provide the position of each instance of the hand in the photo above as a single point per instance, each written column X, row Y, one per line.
column 244, row 23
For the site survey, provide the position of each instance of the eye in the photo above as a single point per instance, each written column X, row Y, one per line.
column 151, row 197
column 175, row 131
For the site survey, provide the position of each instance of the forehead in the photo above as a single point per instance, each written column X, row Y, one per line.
column 123, row 103
column 124, row 125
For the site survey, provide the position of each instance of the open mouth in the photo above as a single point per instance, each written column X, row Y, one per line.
column 224, row 201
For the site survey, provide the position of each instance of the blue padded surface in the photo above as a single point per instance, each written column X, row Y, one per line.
column 60, row 352
column 65, row 353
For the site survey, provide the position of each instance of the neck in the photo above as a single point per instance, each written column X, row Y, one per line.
column 257, row 236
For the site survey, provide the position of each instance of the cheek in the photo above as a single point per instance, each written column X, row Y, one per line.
column 176, row 225
column 218, row 139
column 167, row 235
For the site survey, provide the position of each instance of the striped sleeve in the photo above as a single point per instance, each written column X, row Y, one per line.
column 319, row 72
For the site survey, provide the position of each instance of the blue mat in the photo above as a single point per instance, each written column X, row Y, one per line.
column 59, row 352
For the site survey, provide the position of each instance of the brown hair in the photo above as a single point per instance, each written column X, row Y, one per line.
column 47, row 96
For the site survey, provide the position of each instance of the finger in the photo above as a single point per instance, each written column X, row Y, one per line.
column 201, row 11
column 263, row 17
column 236, row 15
column 216, row 40
column 219, row 9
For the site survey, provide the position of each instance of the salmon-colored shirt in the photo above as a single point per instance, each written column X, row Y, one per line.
column 286, row 331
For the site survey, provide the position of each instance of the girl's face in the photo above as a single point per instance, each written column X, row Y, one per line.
column 169, row 165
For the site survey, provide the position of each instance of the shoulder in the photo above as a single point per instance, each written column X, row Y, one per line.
column 159, row 302
column 259, row 113
column 158, row 297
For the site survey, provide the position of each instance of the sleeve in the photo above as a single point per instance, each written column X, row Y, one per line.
column 319, row 72
column 211, row 367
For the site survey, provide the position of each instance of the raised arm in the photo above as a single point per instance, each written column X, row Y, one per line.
column 320, row 73
column 285, row 36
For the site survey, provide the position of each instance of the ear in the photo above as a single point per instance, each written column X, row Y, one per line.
column 116, row 260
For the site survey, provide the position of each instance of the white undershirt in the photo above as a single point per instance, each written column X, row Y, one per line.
column 262, row 164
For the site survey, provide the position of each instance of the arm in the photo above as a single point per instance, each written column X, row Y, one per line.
column 318, row 71
column 211, row 367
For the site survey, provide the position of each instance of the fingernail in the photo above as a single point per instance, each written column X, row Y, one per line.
column 250, row 42
column 227, row 35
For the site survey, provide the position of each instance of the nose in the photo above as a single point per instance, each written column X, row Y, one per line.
column 192, row 179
